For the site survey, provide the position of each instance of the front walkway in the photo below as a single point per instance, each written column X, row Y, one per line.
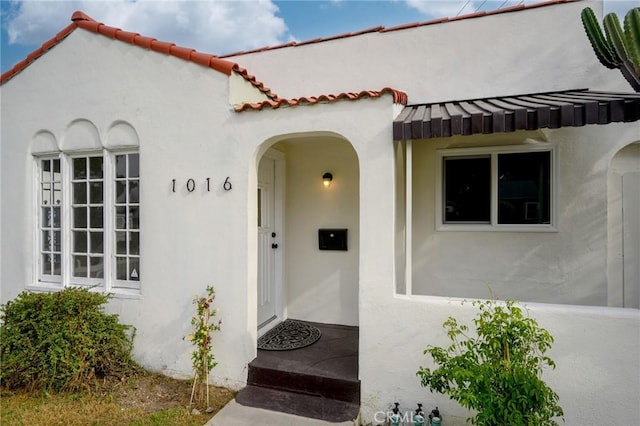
column 234, row 414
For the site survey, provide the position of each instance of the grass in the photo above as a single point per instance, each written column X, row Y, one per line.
column 145, row 400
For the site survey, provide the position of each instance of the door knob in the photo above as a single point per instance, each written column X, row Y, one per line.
column 274, row 246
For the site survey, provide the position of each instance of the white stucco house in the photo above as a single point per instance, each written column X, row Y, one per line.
column 488, row 155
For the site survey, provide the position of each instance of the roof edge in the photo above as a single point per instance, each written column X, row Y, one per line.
column 81, row 20
column 382, row 29
column 399, row 97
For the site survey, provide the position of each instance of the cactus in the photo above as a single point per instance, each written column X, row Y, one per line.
column 619, row 49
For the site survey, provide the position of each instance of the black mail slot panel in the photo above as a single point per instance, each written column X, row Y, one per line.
column 332, row 239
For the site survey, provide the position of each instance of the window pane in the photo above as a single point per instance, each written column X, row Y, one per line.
column 134, row 219
column 57, row 216
column 133, row 191
column 46, row 170
column 80, row 268
column 134, row 165
column 95, row 164
column 57, row 264
column 121, row 243
column 134, row 243
column 46, row 264
column 46, row 193
column 80, row 193
column 57, row 241
column 47, row 218
column 79, row 168
column 524, row 188
column 96, row 242
column 79, row 242
column 57, row 193
column 121, row 218
column 121, row 268
column 96, row 267
column 95, row 214
column 121, row 192
column 467, row 189
column 79, row 217
column 134, row 269
column 121, row 166
column 95, row 191
column 46, row 240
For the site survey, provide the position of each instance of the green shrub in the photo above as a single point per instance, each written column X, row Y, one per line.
column 60, row 341
column 496, row 370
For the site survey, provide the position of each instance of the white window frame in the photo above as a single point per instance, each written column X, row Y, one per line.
column 493, row 152
column 108, row 282
column 47, row 279
column 117, row 283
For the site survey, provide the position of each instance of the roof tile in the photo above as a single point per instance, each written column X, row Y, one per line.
column 85, row 22
column 399, row 97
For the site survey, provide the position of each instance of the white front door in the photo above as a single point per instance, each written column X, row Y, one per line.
column 269, row 245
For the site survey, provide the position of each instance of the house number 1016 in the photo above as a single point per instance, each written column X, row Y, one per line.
column 191, row 184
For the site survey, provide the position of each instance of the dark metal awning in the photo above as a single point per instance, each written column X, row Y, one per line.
column 510, row 113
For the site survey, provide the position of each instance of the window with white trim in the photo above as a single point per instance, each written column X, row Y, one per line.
column 496, row 188
column 50, row 220
column 89, row 220
column 127, row 220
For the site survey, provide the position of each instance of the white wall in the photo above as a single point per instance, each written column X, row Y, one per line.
column 596, row 352
column 322, row 286
column 186, row 129
column 542, row 49
column 188, row 240
column 565, row 266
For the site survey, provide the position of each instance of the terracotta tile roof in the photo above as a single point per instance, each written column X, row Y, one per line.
column 81, row 20
column 399, row 97
column 572, row 108
column 382, row 29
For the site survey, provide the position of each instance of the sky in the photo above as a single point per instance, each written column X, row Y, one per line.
column 226, row 26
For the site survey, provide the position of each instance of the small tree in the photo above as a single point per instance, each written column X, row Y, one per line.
column 620, row 49
column 498, row 371
column 202, row 357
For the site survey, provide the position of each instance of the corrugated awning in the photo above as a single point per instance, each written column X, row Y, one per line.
column 510, row 113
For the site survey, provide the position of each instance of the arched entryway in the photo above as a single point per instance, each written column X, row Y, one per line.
column 308, row 272
column 623, row 212
column 318, row 284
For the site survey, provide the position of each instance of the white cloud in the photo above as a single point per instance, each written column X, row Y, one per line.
column 208, row 26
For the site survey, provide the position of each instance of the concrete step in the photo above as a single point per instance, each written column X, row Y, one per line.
column 304, row 405
column 325, row 386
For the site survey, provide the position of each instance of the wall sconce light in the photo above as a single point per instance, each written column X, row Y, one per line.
column 326, row 179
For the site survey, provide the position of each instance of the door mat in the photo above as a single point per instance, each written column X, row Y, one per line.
column 289, row 335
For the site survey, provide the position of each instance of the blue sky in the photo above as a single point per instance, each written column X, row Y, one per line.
column 221, row 27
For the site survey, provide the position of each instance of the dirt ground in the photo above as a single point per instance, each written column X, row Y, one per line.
column 154, row 393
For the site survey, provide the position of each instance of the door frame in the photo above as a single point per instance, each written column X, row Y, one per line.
column 279, row 163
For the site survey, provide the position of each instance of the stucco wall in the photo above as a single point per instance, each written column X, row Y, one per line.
column 181, row 114
column 542, row 49
column 189, row 240
column 595, row 349
column 322, row 286
column 568, row 265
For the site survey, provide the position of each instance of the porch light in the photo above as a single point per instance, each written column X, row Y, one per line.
column 326, row 179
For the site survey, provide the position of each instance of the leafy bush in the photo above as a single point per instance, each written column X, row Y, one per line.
column 498, row 371
column 59, row 341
